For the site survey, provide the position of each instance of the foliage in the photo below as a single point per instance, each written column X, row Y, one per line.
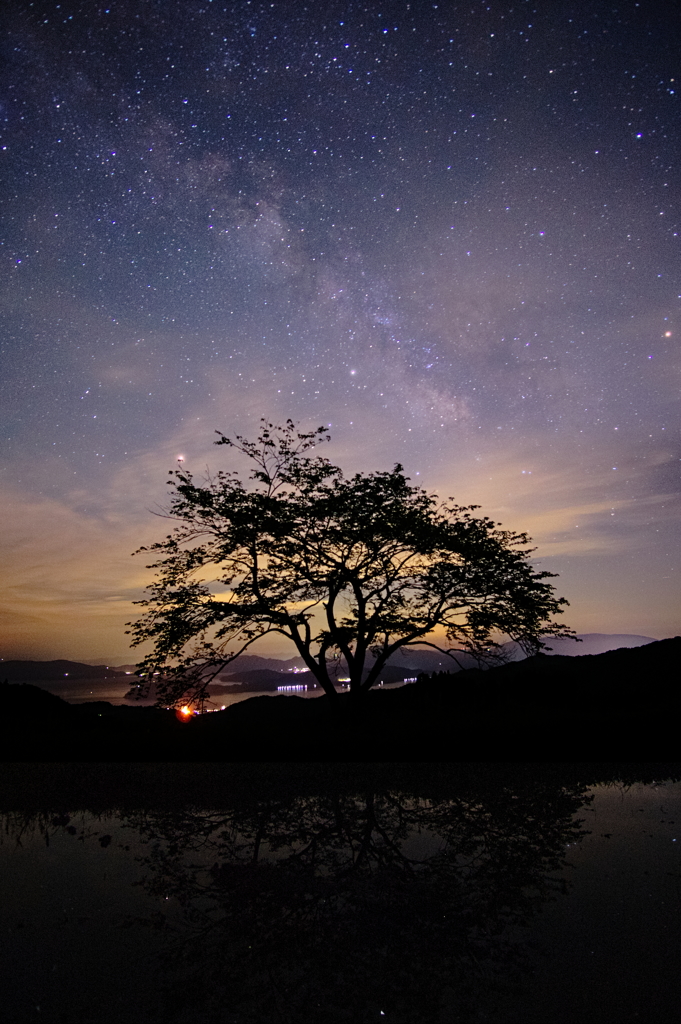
column 350, row 569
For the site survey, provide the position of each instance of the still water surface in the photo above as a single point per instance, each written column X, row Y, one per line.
column 530, row 900
column 86, row 692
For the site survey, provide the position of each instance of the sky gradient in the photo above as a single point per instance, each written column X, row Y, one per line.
column 448, row 231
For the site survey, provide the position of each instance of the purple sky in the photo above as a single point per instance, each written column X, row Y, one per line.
column 450, row 231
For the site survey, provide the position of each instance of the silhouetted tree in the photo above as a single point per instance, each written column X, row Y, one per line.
column 350, row 570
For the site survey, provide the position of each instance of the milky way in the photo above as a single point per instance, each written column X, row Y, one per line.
column 450, row 231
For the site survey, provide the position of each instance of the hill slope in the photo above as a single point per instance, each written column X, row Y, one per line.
column 620, row 705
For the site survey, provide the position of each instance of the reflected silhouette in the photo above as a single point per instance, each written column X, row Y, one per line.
column 345, row 904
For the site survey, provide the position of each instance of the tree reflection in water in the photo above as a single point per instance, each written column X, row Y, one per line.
column 354, row 907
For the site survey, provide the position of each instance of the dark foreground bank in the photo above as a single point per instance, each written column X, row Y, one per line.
column 621, row 705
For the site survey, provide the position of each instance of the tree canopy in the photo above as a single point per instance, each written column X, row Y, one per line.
column 351, row 570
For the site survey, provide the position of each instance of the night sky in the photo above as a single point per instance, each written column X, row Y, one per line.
column 449, row 231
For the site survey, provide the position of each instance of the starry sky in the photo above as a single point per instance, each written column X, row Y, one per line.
column 450, row 231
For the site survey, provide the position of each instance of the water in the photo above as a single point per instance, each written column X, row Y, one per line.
column 87, row 691
column 260, row 893
column 619, row 930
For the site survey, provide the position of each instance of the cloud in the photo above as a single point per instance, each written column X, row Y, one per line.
column 70, row 581
column 568, row 502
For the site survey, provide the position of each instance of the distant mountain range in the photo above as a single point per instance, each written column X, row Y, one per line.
column 415, row 660
column 253, row 673
column 263, row 680
column 55, row 671
column 591, row 643
column 623, row 704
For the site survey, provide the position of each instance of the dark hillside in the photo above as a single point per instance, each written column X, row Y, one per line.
column 621, row 705
column 24, row 700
